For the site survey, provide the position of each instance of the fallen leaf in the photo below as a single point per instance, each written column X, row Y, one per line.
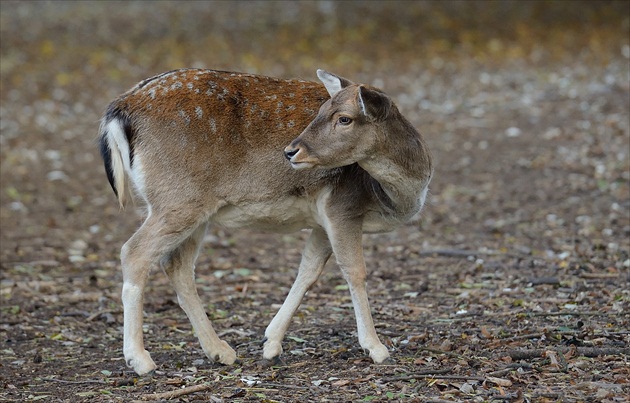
column 341, row 382
column 499, row 381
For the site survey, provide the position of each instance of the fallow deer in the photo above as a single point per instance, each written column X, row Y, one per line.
column 203, row 147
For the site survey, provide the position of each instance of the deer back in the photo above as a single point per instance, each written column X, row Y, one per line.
column 204, row 134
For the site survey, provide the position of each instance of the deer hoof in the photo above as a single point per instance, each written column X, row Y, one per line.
column 379, row 354
column 141, row 363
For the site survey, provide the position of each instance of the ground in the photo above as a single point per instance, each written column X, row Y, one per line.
column 514, row 286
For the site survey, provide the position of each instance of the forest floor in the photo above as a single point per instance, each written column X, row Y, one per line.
column 514, row 286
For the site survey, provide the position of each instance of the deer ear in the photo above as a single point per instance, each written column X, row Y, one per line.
column 333, row 83
column 375, row 105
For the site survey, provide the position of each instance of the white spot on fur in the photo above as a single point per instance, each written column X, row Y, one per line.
column 213, row 125
column 184, row 116
column 221, row 96
column 198, row 112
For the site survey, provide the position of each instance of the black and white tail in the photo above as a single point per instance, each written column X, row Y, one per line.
column 116, row 149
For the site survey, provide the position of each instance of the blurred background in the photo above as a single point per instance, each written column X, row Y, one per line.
column 525, row 103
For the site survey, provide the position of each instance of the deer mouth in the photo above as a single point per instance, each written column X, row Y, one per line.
column 297, row 158
column 301, row 164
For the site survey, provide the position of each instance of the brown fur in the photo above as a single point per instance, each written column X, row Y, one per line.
column 206, row 146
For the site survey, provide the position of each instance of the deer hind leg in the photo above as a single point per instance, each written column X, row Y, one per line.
column 179, row 265
column 154, row 242
column 138, row 255
column 316, row 253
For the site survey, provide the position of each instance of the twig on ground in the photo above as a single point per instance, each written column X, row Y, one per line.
column 75, row 382
column 456, row 377
column 97, row 314
column 240, row 333
column 539, row 335
column 468, row 317
column 588, row 313
column 178, row 392
column 419, row 374
column 435, row 374
column 523, row 336
column 75, row 313
column 599, row 276
column 281, row 386
column 581, row 351
column 544, row 281
column 466, row 253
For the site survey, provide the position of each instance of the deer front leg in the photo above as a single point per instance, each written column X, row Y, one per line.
column 346, row 241
column 316, row 253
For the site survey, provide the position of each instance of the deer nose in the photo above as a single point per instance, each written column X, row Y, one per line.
column 290, row 152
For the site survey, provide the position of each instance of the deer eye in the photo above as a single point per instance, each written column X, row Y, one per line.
column 344, row 120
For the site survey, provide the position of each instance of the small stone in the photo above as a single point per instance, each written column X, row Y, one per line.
column 57, row 176
column 79, row 244
column 513, row 132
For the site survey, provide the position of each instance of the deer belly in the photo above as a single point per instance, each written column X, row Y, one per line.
column 287, row 215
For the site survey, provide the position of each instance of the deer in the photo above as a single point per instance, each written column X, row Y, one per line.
column 202, row 147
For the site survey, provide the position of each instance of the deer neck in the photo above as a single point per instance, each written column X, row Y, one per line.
column 400, row 169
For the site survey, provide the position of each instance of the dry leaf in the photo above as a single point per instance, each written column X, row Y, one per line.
column 499, row 381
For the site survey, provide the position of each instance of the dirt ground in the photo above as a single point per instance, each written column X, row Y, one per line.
column 513, row 287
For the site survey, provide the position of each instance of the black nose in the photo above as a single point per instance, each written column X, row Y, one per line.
column 289, row 153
